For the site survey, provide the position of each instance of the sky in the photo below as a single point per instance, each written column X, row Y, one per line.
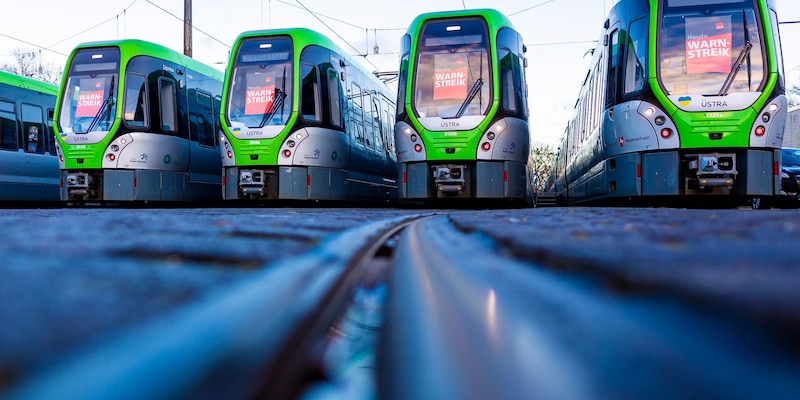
column 558, row 33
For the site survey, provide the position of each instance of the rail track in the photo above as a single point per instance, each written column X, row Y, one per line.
column 411, row 307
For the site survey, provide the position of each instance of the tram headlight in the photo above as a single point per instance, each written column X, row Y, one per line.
column 418, row 148
column 649, row 111
column 230, row 154
column 773, row 107
column 486, row 146
column 490, row 135
column 660, row 120
column 114, row 147
column 111, row 157
column 287, row 153
column 666, row 133
column 760, row 130
column 290, row 143
column 413, row 138
column 765, row 117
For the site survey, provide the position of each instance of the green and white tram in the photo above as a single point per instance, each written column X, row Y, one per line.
column 684, row 102
column 462, row 111
column 303, row 121
column 138, row 122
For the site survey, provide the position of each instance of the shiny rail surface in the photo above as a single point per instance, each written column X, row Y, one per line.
column 465, row 322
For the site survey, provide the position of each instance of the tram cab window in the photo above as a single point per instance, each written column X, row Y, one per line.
column 261, row 89
column 51, row 139
column 507, row 84
column 309, row 93
column 135, row 112
column 8, row 124
column 698, row 49
column 453, row 78
column 33, row 129
column 167, row 94
column 636, row 57
column 335, row 98
column 206, row 131
column 613, row 68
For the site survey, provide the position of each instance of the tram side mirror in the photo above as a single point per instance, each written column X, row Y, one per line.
column 342, row 75
column 525, row 62
column 605, row 40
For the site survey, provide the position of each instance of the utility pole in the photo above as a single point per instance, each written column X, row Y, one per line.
column 187, row 27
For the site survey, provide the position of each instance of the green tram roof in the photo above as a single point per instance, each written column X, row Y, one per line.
column 130, row 48
column 494, row 18
column 28, row 83
column 301, row 38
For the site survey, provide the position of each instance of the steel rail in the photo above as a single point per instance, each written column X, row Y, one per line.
column 465, row 322
column 226, row 346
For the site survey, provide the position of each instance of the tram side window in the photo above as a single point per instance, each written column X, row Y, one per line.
column 357, row 114
column 334, row 98
column 378, row 123
column 135, row 113
column 169, row 118
column 33, row 130
column 8, row 124
column 368, row 119
column 636, row 59
column 613, row 64
column 51, row 138
column 309, row 95
column 206, row 133
column 387, row 127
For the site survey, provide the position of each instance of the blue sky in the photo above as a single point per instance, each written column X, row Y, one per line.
column 557, row 32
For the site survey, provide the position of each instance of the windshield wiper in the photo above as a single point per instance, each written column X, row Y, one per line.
column 105, row 108
column 476, row 88
column 279, row 96
column 735, row 69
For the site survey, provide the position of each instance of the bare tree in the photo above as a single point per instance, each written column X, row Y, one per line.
column 29, row 63
column 540, row 164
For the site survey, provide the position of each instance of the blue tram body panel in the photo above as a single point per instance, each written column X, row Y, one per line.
column 28, row 163
column 659, row 119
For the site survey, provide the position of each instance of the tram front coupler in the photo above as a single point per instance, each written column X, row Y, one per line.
column 449, row 179
column 252, row 182
column 714, row 170
column 81, row 185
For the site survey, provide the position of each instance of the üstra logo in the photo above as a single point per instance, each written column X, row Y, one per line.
column 685, row 100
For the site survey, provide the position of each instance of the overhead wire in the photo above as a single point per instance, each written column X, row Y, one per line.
column 33, row 44
column 364, row 55
column 530, row 8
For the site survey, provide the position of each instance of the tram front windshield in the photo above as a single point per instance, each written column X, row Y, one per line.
column 89, row 103
column 261, row 88
column 452, row 77
column 713, row 47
